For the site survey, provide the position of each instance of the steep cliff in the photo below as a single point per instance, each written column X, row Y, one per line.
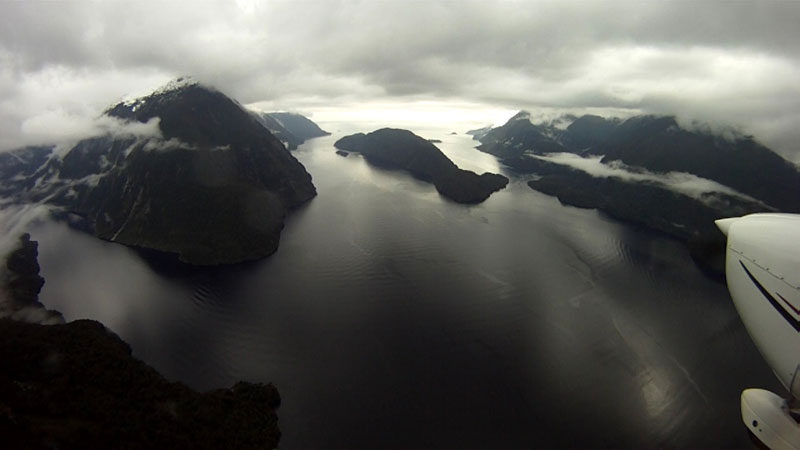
column 201, row 178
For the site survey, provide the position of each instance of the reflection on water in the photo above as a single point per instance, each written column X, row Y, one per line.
column 391, row 317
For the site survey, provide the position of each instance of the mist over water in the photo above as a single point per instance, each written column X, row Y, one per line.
column 391, row 317
column 680, row 182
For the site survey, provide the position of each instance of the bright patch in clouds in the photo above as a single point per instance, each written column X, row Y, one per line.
column 420, row 113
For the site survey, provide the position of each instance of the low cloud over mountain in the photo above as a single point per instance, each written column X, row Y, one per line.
column 681, row 182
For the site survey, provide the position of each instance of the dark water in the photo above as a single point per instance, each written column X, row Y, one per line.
column 391, row 317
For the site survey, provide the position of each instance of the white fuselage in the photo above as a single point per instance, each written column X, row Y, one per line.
column 763, row 275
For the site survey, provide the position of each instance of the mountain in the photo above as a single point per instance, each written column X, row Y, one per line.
column 208, row 183
column 588, row 131
column 291, row 128
column 299, row 125
column 518, row 136
column 402, row 149
column 478, row 133
column 640, row 157
column 660, row 145
column 657, row 144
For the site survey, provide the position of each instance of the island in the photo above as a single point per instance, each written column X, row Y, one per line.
column 401, row 149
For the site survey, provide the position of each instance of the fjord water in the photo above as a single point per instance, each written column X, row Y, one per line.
column 391, row 317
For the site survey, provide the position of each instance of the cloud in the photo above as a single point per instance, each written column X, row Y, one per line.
column 58, row 126
column 58, row 103
column 681, row 182
column 725, row 62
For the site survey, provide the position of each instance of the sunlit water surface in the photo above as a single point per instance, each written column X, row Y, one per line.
column 391, row 317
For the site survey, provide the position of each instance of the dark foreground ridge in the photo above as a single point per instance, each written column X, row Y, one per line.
column 402, row 149
column 77, row 386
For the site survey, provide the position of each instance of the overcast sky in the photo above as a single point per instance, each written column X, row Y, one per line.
column 724, row 62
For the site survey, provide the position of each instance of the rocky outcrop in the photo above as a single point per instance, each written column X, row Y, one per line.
column 402, row 149
column 21, row 284
column 24, row 282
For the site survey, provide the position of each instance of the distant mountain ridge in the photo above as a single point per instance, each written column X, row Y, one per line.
column 291, row 128
column 402, row 149
column 212, row 185
column 655, row 145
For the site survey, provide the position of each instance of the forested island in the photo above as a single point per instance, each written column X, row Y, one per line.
column 401, row 149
